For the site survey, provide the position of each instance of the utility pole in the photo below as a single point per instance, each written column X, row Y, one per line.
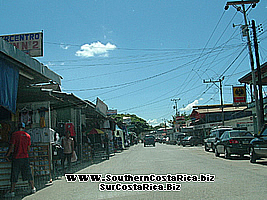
column 221, row 95
column 256, row 47
column 243, row 10
column 176, row 105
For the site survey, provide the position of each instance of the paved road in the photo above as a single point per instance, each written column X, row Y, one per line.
column 235, row 178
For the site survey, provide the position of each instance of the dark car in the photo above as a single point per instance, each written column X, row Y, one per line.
column 149, row 140
column 215, row 134
column 233, row 142
column 180, row 137
column 258, row 146
column 190, row 140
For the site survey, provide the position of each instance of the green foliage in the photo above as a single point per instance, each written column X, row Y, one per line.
column 139, row 124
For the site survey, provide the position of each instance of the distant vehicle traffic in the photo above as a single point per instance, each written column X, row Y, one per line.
column 191, row 140
column 149, row 140
column 258, row 146
column 214, row 135
column 233, row 142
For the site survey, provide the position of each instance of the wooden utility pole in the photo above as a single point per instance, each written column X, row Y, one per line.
column 221, row 94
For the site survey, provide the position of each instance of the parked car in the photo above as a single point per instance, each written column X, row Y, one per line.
column 233, row 142
column 191, row 140
column 214, row 135
column 149, row 140
column 180, row 137
column 258, row 146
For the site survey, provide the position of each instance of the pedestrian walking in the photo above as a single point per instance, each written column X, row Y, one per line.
column 20, row 143
column 68, row 150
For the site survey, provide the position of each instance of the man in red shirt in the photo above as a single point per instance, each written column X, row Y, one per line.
column 20, row 143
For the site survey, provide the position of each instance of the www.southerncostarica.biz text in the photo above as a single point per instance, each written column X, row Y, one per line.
column 170, row 178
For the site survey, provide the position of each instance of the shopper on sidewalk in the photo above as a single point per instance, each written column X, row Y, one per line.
column 20, row 143
column 68, row 149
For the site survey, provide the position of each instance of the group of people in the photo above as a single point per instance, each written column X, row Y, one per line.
column 18, row 154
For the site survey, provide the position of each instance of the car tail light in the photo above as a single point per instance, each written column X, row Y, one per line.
column 232, row 141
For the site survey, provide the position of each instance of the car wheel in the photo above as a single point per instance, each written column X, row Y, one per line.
column 206, row 148
column 183, row 145
column 216, row 152
column 226, row 154
column 252, row 157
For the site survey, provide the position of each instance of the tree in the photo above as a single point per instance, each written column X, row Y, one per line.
column 140, row 125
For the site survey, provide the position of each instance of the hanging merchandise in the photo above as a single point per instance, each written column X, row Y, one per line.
column 26, row 117
column 42, row 111
column 70, row 127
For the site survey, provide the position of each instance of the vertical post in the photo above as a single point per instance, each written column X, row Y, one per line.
column 220, row 80
column 221, row 94
column 252, row 70
column 261, row 113
column 176, row 109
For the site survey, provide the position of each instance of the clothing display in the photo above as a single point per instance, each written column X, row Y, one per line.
column 42, row 111
column 70, row 127
column 26, row 117
column 41, row 134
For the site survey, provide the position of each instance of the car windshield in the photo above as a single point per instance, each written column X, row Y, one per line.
column 264, row 133
column 240, row 134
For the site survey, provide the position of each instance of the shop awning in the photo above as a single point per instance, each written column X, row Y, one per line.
column 248, row 77
column 96, row 131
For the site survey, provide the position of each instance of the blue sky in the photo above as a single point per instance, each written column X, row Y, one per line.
column 138, row 55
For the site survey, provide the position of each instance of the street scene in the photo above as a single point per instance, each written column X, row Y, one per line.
column 133, row 99
column 235, row 178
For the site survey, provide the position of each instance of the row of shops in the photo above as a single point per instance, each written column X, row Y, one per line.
column 31, row 93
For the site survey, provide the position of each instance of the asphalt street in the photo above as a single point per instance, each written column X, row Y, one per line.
column 235, row 178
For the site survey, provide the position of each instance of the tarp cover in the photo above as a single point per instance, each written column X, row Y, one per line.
column 9, row 77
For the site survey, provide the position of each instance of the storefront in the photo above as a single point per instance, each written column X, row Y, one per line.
column 19, row 74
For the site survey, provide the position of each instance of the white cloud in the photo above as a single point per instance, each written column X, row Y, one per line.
column 153, row 122
column 95, row 49
column 189, row 107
